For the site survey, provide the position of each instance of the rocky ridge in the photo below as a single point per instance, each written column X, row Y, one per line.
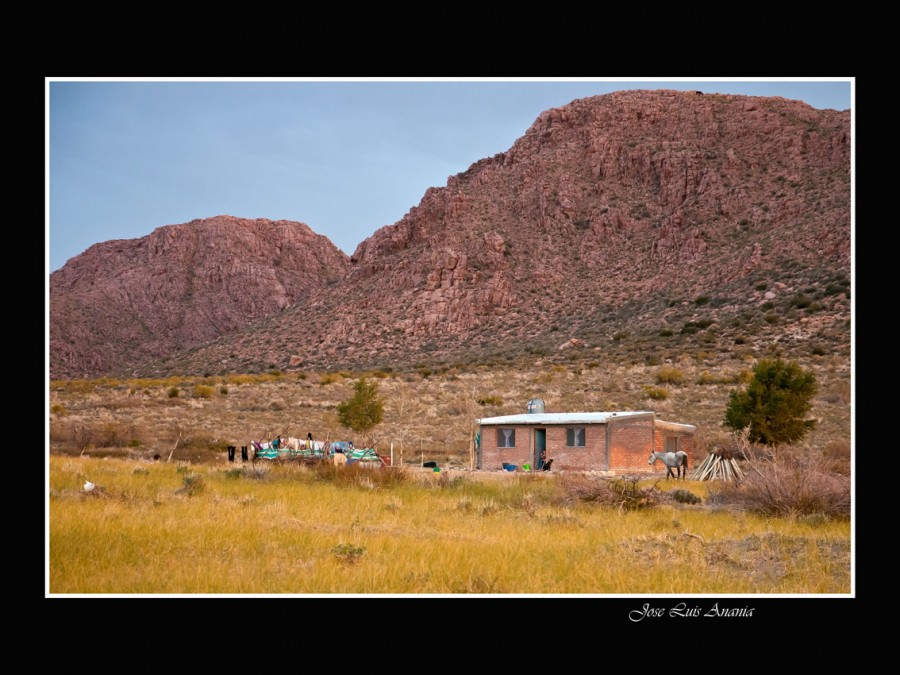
column 613, row 219
column 122, row 303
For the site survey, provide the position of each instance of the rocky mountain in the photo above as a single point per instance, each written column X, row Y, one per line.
column 122, row 303
column 642, row 221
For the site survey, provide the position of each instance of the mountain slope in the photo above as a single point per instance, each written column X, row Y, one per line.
column 638, row 222
column 712, row 219
column 123, row 302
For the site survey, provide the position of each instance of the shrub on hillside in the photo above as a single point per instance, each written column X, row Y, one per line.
column 656, row 393
column 670, row 375
column 203, row 391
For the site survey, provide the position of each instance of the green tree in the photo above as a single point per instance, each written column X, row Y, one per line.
column 774, row 404
column 364, row 410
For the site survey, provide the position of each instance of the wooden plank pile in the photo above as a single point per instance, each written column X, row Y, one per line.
column 719, row 464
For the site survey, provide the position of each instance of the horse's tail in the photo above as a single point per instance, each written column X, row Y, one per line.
column 684, row 461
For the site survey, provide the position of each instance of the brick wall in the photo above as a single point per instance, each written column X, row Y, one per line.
column 630, row 443
column 591, row 456
column 492, row 457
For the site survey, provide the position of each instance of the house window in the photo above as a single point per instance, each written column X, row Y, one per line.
column 575, row 437
column 506, row 438
column 671, row 443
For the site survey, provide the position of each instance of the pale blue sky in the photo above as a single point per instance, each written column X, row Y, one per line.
column 345, row 157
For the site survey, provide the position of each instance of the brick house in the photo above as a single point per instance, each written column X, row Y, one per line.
column 615, row 442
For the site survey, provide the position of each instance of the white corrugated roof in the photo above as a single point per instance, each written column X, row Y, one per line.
column 563, row 418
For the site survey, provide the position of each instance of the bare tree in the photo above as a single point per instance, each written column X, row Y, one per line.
column 405, row 409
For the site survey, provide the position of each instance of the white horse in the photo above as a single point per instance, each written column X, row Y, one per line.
column 672, row 460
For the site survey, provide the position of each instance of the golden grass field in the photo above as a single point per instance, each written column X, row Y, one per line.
column 173, row 528
column 190, row 522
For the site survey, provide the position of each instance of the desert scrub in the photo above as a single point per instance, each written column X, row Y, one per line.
column 656, row 393
column 204, row 391
column 786, row 485
column 670, row 375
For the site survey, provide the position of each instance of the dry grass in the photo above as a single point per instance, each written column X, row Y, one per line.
column 788, row 484
column 179, row 528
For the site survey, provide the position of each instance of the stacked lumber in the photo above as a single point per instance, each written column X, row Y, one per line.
column 718, row 465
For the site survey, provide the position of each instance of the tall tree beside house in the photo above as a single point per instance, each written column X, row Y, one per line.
column 774, row 404
column 363, row 411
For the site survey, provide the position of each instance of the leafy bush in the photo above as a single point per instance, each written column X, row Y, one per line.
column 364, row 410
column 774, row 403
column 173, row 392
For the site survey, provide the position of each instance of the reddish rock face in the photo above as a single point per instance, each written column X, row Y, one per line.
column 124, row 302
column 609, row 216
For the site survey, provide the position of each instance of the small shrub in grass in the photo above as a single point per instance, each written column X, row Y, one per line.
column 623, row 493
column 656, row 393
column 256, row 471
column 486, row 508
column 58, row 409
column 684, row 496
column 223, row 390
column 233, row 474
column 706, row 378
column 490, row 401
column 670, row 375
column 813, row 519
column 192, row 485
column 348, row 553
column 173, row 392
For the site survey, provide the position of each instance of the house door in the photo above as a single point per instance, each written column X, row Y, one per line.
column 540, row 446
